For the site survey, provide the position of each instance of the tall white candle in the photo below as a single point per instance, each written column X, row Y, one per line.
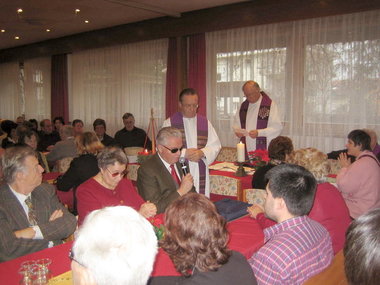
column 240, row 152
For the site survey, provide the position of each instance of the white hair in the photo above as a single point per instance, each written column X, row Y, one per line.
column 117, row 245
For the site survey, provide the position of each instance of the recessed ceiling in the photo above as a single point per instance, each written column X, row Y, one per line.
column 61, row 19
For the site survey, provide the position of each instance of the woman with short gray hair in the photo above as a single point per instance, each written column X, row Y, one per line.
column 110, row 188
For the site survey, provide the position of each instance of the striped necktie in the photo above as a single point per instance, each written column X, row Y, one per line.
column 31, row 213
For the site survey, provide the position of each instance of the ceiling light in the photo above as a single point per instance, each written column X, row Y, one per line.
column 87, row 21
column 3, row 31
column 19, row 11
column 47, row 30
column 77, row 11
column 17, row 38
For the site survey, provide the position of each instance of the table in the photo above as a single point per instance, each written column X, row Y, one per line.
column 246, row 236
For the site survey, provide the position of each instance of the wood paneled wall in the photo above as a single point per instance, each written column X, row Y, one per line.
column 255, row 12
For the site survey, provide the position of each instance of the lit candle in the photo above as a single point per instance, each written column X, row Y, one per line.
column 240, row 152
column 146, row 151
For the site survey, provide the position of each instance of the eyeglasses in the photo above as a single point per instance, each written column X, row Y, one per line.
column 114, row 174
column 173, row 150
column 72, row 257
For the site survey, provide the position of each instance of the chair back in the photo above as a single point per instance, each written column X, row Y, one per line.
column 227, row 154
column 225, row 185
column 63, row 164
column 254, row 196
column 133, row 150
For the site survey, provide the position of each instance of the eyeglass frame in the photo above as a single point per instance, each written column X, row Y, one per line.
column 173, row 150
column 122, row 174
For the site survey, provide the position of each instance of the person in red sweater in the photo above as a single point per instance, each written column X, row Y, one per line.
column 110, row 188
column 329, row 208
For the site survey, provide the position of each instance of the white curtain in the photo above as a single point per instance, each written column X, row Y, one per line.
column 37, row 88
column 10, row 95
column 324, row 74
column 108, row 82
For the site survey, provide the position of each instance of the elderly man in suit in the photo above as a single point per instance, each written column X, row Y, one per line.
column 160, row 179
column 31, row 217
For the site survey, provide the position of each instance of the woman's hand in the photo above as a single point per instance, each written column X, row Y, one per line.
column 254, row 210
column 343, row 160
column 148, row 209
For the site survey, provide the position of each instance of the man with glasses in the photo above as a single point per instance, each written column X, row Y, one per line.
column 160, row 179
column 257, row 121
column 31, row 217
column 200, row 141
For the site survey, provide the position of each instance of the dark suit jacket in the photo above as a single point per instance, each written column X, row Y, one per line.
column 13, row 218
column 155, row 183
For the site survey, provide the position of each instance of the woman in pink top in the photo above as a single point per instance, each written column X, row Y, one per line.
column 329, row 208
column 359, row 182
column 110, row 188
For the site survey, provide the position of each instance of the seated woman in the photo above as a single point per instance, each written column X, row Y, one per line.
column 329, row 208
column 278, row 149
column 110, row 188
column 82, row 167
column 196, row 241
column 9, row 127
column 29, row 137
column 359, row 182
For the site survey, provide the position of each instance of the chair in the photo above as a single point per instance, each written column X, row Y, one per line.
column 227, row 154
column 132, row 171
column 254, row 196
column 332, row 275
column 334, row 166
column 63, row 164
column 225, row 186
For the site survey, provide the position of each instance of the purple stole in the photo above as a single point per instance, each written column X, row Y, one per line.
column 262, row 120
column 176, row 120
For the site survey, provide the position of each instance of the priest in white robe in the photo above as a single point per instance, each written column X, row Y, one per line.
column 201, row 142
column 257, row 121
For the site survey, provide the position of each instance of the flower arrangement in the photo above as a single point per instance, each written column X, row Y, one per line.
column 158, row 226
column 258, row 158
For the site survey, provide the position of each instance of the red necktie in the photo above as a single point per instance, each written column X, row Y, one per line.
column 174, row 175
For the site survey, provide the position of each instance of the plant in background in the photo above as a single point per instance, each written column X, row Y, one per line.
column 258, row 158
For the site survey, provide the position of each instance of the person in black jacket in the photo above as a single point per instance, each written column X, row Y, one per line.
column 82, row 167
column 277, row 151
column 100, row 131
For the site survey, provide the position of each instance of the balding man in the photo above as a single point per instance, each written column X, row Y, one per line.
column 257, row 121
column 31, row 217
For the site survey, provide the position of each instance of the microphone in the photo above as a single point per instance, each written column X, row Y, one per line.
column 184, row 168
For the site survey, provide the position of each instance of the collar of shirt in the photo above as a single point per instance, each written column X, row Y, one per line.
column 21, row 198
column 167, row 165
column 278, row 228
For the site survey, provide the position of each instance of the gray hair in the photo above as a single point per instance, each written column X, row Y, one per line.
column 166, row 133
column 12, row 161
column 111, row 155
column 67, row 131
column 117, row 245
